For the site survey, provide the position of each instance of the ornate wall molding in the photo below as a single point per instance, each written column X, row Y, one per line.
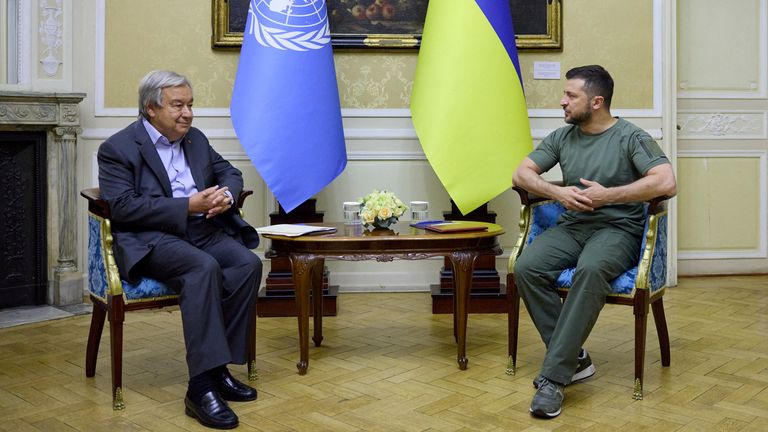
column 32, row 108
column 723, row 125
column 51, row 30
column 27, row 113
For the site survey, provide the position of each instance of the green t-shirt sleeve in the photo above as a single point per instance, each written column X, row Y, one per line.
column 546, row 155
column 645, row 152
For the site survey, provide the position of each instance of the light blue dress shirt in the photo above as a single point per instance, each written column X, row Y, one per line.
column 174, row 162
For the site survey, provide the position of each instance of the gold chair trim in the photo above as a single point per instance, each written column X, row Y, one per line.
column 525, row 226
column 114, row 285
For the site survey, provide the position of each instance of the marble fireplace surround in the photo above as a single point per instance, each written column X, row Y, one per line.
column 58, row 115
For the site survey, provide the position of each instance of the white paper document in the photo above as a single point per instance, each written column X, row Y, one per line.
column 293, row 230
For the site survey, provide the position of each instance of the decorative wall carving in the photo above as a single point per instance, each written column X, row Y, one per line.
column 51, row 30
column 69, row 114
column 27, row 113
column 723, row 125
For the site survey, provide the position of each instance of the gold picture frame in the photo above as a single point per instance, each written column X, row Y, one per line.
column 538, row 25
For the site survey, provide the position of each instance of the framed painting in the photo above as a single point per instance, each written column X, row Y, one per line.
column 393, row 24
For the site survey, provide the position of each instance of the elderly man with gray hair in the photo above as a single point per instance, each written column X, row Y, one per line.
column 171, row 199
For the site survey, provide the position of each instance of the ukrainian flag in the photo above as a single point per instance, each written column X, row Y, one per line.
column 467, row 103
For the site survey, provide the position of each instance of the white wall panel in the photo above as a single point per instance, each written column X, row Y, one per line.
column 722, row 48
column 727, row 214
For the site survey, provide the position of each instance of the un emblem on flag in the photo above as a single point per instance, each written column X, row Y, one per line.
column 297, row 25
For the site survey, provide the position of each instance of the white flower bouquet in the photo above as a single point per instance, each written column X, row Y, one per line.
column 380, row 209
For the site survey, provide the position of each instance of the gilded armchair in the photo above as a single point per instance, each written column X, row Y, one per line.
column 641, row 287
column 112, row 297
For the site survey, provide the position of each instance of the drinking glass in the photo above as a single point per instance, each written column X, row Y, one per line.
column 351, row 210
column 419, row 210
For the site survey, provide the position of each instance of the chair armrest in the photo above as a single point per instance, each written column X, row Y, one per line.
column 245, row 193
column 658, row 205
column 96, row 205
column 528, row 198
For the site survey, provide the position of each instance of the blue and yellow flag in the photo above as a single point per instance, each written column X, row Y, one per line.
column 285, row 103
column 467, row 103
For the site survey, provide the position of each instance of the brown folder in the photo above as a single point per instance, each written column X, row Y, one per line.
column 457, row 226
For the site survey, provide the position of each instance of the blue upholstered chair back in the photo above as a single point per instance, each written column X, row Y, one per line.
column 104, row 278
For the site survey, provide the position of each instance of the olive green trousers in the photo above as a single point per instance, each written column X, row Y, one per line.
column 600, row 253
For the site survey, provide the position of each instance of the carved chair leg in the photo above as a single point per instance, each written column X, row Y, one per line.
column 513, row 323
column 116, row 318
column 94, row 337
column 661, row 328
column 641, row 321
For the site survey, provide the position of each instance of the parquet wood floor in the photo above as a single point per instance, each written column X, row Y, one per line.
column 387, row 364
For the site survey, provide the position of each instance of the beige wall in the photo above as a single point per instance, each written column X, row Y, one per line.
column 107, row 45
column 138, row 41
column 374, row 86
column 369, row 79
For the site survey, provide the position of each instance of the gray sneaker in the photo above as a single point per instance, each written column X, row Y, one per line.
column 548, row 400
column 584, row 369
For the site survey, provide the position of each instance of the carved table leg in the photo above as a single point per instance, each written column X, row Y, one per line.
column 317, row 299
column 463, row 263
column 301, row 266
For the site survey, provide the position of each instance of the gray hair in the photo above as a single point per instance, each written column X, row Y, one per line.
column 152, row 85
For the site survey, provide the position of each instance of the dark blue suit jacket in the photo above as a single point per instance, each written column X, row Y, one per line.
column 134, row 182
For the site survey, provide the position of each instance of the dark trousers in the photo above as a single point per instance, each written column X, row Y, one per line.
column 600, row 253
column 217, row 278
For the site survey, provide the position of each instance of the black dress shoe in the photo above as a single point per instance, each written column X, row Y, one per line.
column 233, row 390
column 211, row 410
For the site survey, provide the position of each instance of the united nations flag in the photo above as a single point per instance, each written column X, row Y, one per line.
column 285, row 103
column 284, row 24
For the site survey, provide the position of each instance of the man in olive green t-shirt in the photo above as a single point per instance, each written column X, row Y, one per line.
column 609, row 167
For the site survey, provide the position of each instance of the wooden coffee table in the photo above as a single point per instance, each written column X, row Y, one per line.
column 354, row 243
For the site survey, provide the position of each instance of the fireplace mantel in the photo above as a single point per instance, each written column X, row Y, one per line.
column 36, row 109
column 58, row 115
